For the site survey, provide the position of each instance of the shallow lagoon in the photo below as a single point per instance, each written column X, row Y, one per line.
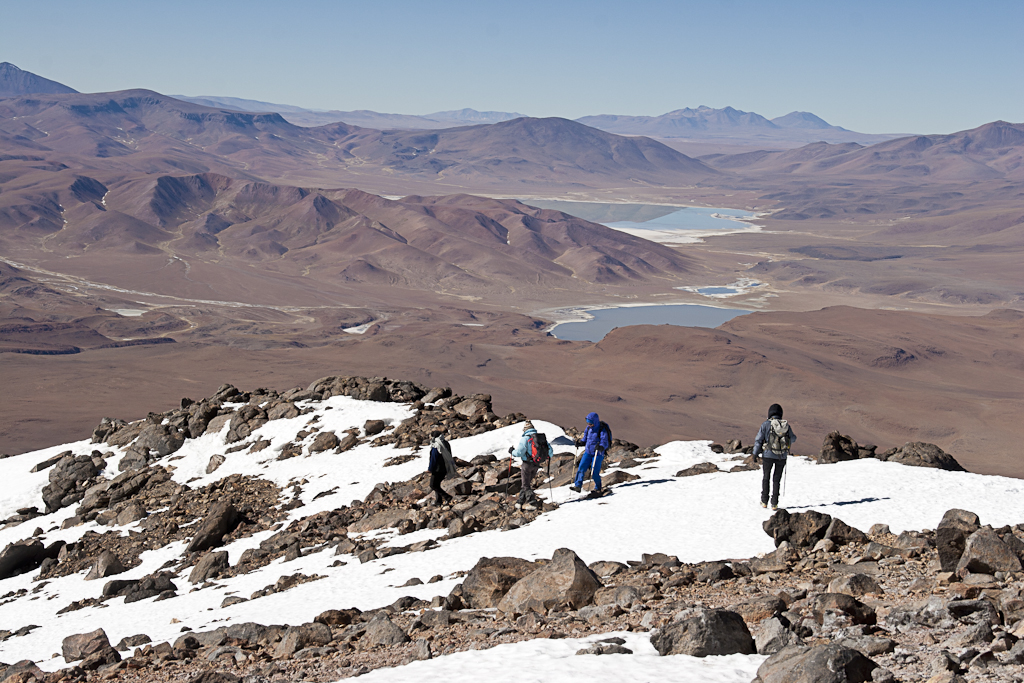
column 659, row 220
column 605, row 320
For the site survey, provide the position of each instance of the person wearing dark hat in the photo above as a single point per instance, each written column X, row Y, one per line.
column 773, row 441
column 441, row 465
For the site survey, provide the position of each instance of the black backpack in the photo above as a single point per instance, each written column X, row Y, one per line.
column 537, row 450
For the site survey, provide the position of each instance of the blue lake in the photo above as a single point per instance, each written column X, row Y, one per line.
column 606, row 320
column 649, row 216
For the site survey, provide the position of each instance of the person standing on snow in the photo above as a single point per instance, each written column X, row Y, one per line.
column 597, row 439
column 440, row 466
column 774, row 439
column 532, row 450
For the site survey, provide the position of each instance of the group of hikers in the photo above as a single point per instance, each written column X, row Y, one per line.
column 771, row 447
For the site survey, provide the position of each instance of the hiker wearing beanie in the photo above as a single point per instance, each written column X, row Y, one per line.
column 597, row 438
column 440, row 466
column 532, row 450
column 773, row 440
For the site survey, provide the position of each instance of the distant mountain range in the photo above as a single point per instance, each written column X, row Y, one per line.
column 363, row 118
column 733, row 125
column 703, row 123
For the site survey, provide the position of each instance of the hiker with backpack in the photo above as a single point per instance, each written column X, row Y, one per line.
column 533, row 450
column 441, row 466
column 774, row 439
column 596, row 439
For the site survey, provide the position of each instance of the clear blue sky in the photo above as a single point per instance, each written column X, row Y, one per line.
column 877, row 67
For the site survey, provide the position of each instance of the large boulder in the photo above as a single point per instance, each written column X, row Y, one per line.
column 381, row 631
column 858, row 612
column 159, row 440
column 801, row 529
column 84, row 645
column 566, row 580
column 472, row 408
column 920, row 454
column 107, row 564
column 68, row 481
column 708, row 632
column 985, row 553
column 491, row 578
column 296, row 638
column 775, row 635
column 831, row 663
column 837, row 448
column 23, row 556
column 221, row 520
column 841, row 533
column 208, row 567
column 951, row 536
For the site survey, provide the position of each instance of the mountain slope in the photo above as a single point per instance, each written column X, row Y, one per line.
column 148, row 132
column 994, row 150
column 351, row 528
column 15, row 82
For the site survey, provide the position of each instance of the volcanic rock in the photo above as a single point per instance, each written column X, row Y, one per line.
column 107, row 564
column 208, row 567
column 218, row 522
column 802, row 529
column 831, row 663
column 837, row 448
column 854, row 584
column 381, row 631
column 951, row 536
column 709, row 632
column 985, row 553
column 566, row 580
column 920, row 454
column 773, row 636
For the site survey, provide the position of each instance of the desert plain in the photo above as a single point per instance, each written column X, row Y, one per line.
column 153, row 249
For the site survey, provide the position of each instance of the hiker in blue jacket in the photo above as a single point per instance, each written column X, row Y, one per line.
column 774, row 439
column 596, row 439
column 527, row 499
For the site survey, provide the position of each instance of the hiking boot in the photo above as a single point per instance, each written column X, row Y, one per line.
column 764, row 504
column 518, row 506
column 775, row 506
column 575, row 488
column 529, row 507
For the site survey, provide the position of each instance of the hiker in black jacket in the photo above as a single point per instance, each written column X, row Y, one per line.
column 774, row 439
column 440, row 466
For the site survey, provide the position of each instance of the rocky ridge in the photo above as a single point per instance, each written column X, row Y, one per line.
column 792, row 596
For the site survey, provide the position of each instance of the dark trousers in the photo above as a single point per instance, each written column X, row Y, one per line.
column 527, row 472
column 767, row 464
column 435, row 485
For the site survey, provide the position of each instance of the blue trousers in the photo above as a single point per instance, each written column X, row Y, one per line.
column 589, row 459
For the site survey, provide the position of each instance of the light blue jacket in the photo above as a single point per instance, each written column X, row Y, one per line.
column 523, row 449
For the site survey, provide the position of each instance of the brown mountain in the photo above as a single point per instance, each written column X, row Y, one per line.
column 144, row 131
column 992, row 151
column 215, row 224
column 15, row 82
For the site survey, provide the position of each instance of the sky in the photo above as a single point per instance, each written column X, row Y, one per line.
column 893, row 66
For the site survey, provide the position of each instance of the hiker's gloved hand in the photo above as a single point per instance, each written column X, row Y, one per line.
column 511, row 450
column 577, row 443
column 757, row 459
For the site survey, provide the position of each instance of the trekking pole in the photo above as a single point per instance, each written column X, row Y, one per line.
column 509, row 477
column 551, row 494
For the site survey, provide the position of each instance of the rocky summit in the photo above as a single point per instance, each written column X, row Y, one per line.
column 266, row 536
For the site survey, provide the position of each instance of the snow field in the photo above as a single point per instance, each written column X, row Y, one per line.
column 706, row 517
